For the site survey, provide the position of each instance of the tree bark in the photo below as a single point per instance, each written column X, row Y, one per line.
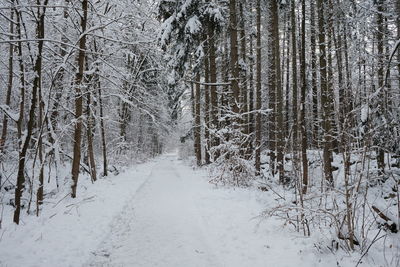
column 234, row 60
column 398, row 37
column 302, row 122
column 294, row 77
column 327, row 152
column 207, row 104
column 31, row 121
column 251, row 102
column 197, row 121
column 89, row 133
column 102, row 124
column 213, row 88
column 58, row 80
column 10, row 80
column 276, row 86
column 22, row 84
column 79, row 101
column 380, row 46
column 272, row 102
column 258, row 121
column 243, row 86
column 315, row 115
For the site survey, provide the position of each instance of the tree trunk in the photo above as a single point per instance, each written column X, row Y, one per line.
column 380, row 45
column 10, row 81
column 272, row 86
column 22, row 85
column 31, row 122
column 327, row 152
column 234, row 60
column 79, row 101
column 398, row 37
column 287, row 87
column 294, row 76
column 97, row 84
column 206, row 104
column 330, row 79
column 251, row 102
column 213, row 88
column 197, row 121
column 315, row 114
column 276, row 86
column 89, row 132
column 258, row 121
column 243, row 87
column 102, row 130
column 302, row 123
column 58, row 80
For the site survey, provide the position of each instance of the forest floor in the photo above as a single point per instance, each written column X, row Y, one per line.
column 161, row 213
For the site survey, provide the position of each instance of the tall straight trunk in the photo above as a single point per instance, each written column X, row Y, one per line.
column 327, row 152
column 273, row 5
column 330, row 95
column 79, row 101
column 398, row 37
column 10, row 81
column 21, row 168
column 197, row 121
column 225, row 91
column 22, row 84
column 213, row 88
column 294, row 75
column 337, row 40
column 380, row 46
column 303, row 80
column 97, row 85
column 206, row 104
column 287, row 87
column 58, row 80
column 39, row 195
column 314, row 89
column 279, row 100
column 193, row 106
column 90, row 81
column 89, row 132
column 244, row 85
column 31, row 121
column 258, row 121
column 348, row 92
column 272, row 86
column 251, row 104
column 234, row 60
column 102, row 129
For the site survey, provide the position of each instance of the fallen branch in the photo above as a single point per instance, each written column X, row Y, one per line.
column 390, row 224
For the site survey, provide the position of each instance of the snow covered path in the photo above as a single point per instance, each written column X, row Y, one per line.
column 177, row 219
column 161, row 226
column 161, row 213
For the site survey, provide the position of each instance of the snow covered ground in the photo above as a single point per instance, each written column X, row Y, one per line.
column 161, row 213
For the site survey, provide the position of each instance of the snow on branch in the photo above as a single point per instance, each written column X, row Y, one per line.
column 9, row 112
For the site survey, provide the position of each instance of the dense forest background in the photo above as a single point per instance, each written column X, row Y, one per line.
column 300, row 97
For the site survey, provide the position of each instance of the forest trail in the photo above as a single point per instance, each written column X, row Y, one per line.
column 159, row 213
column 177, row 219
column 160, row 225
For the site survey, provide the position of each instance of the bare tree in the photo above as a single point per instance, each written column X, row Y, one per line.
column 10, row 79
column 258, row 121
column 79, row 100
column 325, row 92
column 31, row 120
